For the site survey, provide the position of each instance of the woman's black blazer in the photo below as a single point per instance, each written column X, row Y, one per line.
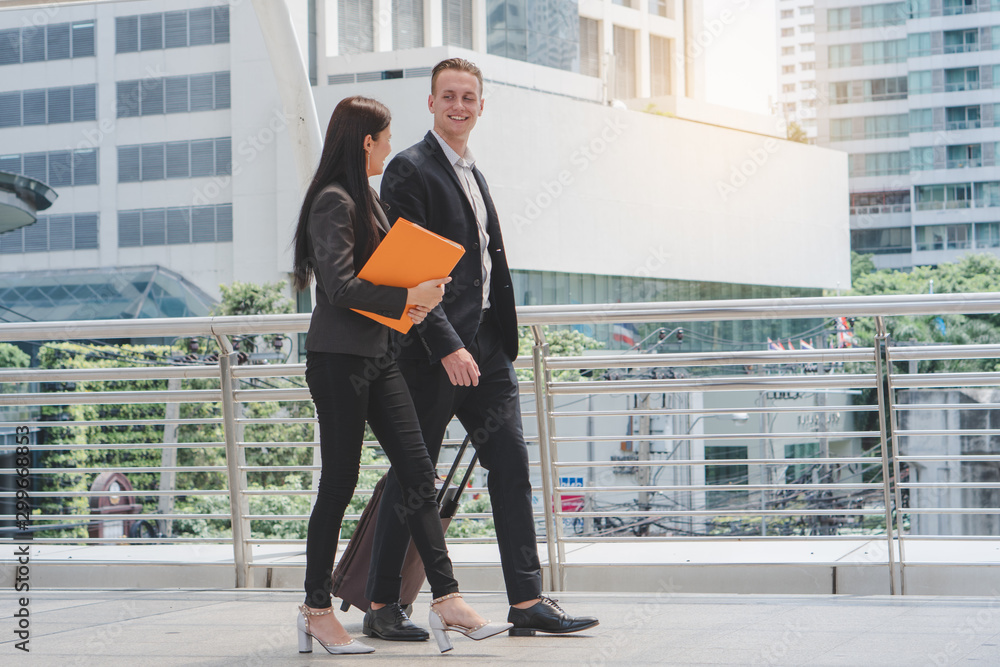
column 338, row 253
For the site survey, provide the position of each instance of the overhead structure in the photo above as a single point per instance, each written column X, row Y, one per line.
column 21, row 198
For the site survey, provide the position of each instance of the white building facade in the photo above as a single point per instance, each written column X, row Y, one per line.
column 161, row 127
column 912, row 97
column 797, row 94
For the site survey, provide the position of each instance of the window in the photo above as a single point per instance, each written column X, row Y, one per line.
column 57, row 168
column 943, row 237
column 961, row 41
column 921, row 120
column 788, row 32
column 806, row 11
column 788, row 69
column 962, row 118
column 939, row 197
column 808, row 85
column 787, row 13
column 149, row 32
column 661, row 8
column 988, row 234
column 838, row 19
column 952, row 7
column 457, row 22
column 840, row 92
column 962, row 78
column 873, row 203
column 659, row 56
column 201, row 224
column 199, row 92
column 407, row 24
column 789, row 107
column 878, row 127
column 355, row 26
column 922, row 158
column 918, row 44
column 893, row 88
column 988, row 194
column 920, row 83
column 788, row 50
column 590, row 52
column 625, row 69
column 806, row 67
column 48, row 106
column 56, row 41
column 725, row 475
column 788, row 87
column 807, row 48
column 885, row 164
column 52, row 233
column 891, row 240
column 805, row 29
column 964, row 156
column 841, row 129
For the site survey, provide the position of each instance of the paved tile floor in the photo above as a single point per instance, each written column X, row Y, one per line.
column 256, row 627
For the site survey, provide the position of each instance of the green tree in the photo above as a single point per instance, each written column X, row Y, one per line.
column 12, row 356
column 861, row 265
column 796, row 133
column 972, row 273
column 562, row 343
column 253, row 299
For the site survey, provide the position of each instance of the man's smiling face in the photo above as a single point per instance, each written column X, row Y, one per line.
column 456, row 104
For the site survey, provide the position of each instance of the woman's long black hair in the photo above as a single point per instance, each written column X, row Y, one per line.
column 343, row 161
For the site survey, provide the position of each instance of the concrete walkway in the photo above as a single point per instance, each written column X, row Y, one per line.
column 256, row 627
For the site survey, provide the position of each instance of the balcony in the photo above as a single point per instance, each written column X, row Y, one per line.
column 966, row 163
column 960, row 125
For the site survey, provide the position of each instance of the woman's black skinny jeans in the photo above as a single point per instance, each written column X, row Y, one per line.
column 349, row 390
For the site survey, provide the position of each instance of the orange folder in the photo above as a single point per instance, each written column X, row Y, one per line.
column 406, row 257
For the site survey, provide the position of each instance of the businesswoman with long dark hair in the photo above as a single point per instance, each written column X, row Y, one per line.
column 341, row 223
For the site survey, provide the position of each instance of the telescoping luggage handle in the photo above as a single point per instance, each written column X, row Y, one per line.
column 448, row 498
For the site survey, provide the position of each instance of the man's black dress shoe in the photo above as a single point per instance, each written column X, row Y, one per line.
column 392, row 624
column 546, row 616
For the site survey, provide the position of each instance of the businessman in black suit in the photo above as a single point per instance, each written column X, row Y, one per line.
column 458, row 362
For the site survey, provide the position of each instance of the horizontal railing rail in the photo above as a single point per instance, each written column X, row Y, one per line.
column 822, row 444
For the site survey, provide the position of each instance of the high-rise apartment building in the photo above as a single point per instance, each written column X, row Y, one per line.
column 797, row 64
column 909, row 90
column 162, row 128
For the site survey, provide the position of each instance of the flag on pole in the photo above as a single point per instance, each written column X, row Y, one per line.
column 625, row 334
column 844, row 333
column 803, row 345
column 771, row 345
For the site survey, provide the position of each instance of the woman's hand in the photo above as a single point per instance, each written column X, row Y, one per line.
column 426, row 295
column 417, row 314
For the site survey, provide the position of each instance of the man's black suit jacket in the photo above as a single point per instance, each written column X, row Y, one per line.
column 421, row 186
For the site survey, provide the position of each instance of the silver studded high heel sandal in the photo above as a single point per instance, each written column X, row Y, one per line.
column 306, row 637
column 440, row 628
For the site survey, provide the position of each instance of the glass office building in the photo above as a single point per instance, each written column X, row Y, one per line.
column 541, row 32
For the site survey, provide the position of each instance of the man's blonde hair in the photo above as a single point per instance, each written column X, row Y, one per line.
column 460, row 65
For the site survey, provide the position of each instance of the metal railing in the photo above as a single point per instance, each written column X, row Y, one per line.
column 818, row 444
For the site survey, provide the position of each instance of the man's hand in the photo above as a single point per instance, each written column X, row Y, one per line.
column 463, row 371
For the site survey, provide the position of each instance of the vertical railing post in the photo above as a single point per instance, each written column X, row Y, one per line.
column 542, row 414
column 897, row 495
column 235, row 461
column 885, row 432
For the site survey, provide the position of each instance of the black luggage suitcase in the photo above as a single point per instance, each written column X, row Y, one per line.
column 350, row 577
